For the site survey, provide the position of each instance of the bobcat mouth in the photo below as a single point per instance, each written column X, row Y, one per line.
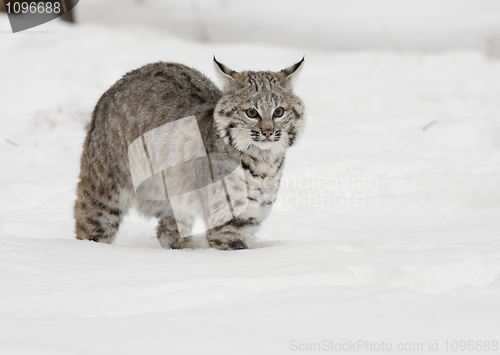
column 264, row 145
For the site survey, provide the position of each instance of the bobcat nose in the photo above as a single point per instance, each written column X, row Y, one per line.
column 267, row 133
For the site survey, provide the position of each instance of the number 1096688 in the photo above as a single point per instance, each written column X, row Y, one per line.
column 33, row 7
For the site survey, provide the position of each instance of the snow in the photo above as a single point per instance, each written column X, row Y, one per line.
column 383, row 231
column 326, row 24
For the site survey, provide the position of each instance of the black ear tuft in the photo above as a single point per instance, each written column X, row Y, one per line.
column 224, row 69
column 293, row 68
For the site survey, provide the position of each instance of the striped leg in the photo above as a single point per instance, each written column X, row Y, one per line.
column 98, row 216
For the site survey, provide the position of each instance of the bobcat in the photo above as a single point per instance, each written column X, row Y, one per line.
column 255, row 118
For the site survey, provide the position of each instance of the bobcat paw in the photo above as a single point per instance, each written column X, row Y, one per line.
column 169, row 241
column 235, row 244
column 183, row 243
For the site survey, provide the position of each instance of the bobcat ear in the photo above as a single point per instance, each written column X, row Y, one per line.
column 289, row 73
column 227, row 74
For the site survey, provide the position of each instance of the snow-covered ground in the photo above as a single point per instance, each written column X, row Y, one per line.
column 387, row 227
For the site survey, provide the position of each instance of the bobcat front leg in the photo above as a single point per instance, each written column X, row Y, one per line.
column 168, row 234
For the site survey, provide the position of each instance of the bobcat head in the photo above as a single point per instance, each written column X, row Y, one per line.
column 258, row 110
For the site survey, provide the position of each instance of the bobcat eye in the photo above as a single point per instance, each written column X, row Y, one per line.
column 252, row 113
column 279, row 112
